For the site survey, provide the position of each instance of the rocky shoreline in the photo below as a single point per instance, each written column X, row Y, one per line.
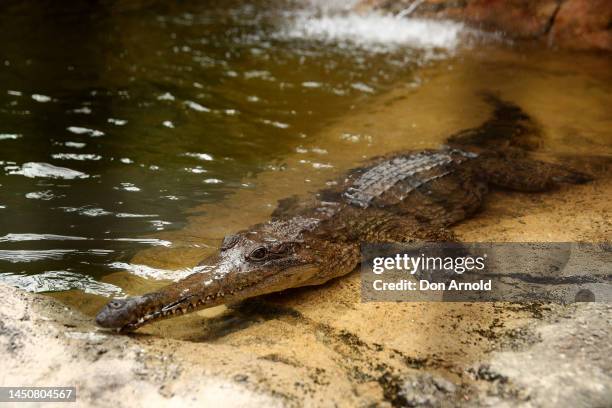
column 568, row 24
column 47, row 344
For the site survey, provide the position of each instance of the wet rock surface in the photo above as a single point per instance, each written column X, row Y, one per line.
column 572, row 24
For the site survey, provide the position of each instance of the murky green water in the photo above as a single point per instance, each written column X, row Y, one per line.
column 118, row 117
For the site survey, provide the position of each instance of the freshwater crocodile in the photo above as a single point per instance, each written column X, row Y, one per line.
column 408, row 197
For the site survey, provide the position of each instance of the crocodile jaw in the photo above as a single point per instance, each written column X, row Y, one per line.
column 196, row 292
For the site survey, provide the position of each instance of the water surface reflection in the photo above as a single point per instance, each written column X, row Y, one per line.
column 116, row 117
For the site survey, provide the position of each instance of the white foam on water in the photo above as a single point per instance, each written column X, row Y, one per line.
column 76, row 145
column 41, row 98
column 84, row 110
column 78, row 130
column 196, row 170
column 9, row 136
column 332, row 5
column 45, row 170
column 117, row 122
column 274, row 123
column 201, row 156
column 213, row 181
column 40, row 195
column 196, row 106
column 87, row 211
column 166, row 97
column 74, row 156
column 148, row 272
column 377, row 31
column 128, row 187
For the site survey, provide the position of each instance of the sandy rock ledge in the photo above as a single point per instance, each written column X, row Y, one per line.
column 564, row 359
column 44, row 343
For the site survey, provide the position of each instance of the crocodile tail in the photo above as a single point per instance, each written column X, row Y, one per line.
column 526, row 173
column 570, row 176
column 508, row 126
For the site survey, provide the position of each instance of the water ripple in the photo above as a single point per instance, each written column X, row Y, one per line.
column 276, row 124
column 148, row 272
column 53, row 281
column 24, row 255
column 38, row 237
column 148, row 241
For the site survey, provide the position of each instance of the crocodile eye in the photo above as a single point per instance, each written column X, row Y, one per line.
column 229, row 241
column 258, row 254
column 115, row 304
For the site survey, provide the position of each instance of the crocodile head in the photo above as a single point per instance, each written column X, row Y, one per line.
column 268, row 258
